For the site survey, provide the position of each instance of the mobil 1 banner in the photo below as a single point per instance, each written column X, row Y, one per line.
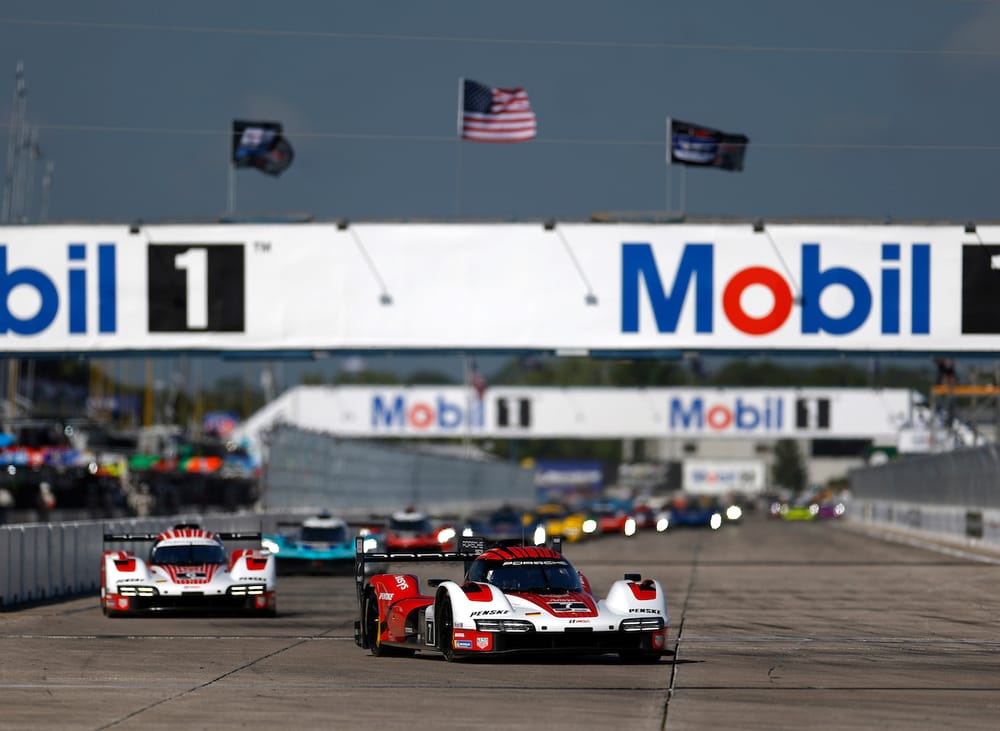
column 583, row 288
column 514, row 412
column 804, row 413
column 196, row 287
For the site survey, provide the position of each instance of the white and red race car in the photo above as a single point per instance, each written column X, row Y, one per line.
column 188, row 569
column 513, row 599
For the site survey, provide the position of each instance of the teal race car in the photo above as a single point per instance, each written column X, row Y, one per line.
column 319, row 544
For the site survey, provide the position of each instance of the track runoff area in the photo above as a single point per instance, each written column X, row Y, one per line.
column 774, row 625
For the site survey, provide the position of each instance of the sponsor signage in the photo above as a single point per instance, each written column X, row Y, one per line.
column 583, row 287
column 567, row 480
column 722, row 476
column 589, row 413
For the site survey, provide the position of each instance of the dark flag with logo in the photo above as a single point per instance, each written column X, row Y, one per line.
column 261, row 145
column 693, row 144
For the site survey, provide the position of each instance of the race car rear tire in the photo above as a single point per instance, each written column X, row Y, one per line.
column 445, row 629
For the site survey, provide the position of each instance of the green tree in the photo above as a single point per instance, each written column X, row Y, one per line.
column 788, row 470
column 366, row 378
column 429, row 378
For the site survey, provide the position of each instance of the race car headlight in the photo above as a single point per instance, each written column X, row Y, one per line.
column 369, row 545
column 270, row 545
column 445, row 534
column 137, row 590
column 589, row 525
column 662, row 524
column 641, row 624
column 504, row 625
column 539, row 537
column 734, row 512
column 630, row 527
column 246, row 590
column 716, row 522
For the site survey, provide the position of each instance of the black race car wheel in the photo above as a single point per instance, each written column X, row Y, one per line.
column 371, row 622
column 445, row 626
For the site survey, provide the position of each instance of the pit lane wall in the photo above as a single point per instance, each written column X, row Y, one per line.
column 952, row 495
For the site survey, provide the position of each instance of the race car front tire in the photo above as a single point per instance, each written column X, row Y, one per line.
column 445, row 629
column 371, row 621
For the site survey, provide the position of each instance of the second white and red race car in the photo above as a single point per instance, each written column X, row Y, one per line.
column 513, row 599
column 188, row 569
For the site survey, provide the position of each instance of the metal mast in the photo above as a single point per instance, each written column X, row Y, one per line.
column 18, row 138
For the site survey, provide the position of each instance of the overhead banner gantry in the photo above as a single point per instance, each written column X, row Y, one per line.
column 565, row 288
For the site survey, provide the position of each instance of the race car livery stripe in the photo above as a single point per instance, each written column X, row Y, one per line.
column 191, row 574
column 510, row 552
column 186, row 533
column 644, row 591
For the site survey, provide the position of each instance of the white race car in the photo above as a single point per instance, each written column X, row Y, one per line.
column 188, row 569
column 514, row 599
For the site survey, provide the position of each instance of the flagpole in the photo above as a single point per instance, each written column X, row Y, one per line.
column 231, row 199
column 683, row 188
column 458, row 157
column 670, row 145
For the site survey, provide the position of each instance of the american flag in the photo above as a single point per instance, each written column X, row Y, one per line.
column 496, row 115
column 477, row 380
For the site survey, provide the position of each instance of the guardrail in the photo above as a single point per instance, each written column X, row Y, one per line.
column 953, row 495
column 962, row 526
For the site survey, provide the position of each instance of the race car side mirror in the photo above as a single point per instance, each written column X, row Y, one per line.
column 633, row 577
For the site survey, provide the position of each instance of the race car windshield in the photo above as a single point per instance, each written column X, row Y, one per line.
column 552, row 578
column 187, row 555
column 337, row 534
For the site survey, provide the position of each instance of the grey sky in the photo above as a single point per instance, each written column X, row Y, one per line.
column 860, row 108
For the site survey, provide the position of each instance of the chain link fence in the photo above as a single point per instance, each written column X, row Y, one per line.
column 311, row 469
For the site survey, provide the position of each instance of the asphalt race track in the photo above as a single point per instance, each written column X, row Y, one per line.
column 774, row 625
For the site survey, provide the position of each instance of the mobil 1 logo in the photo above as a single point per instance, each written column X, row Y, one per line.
column 196, row 287
column 980, row 285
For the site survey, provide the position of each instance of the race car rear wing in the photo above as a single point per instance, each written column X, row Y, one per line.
column 225, row 536
column 469, row 548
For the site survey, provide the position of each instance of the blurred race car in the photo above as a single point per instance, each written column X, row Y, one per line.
column 501, row 527
column 188, row 568
column 697, row 512
column 412, row 530
column 612, row 516
column 317, row 544
column 798, row 510
column 514, row 599
column 552, row 520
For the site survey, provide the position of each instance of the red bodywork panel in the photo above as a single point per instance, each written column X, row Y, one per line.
column 644, row 591
column 397, row 595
